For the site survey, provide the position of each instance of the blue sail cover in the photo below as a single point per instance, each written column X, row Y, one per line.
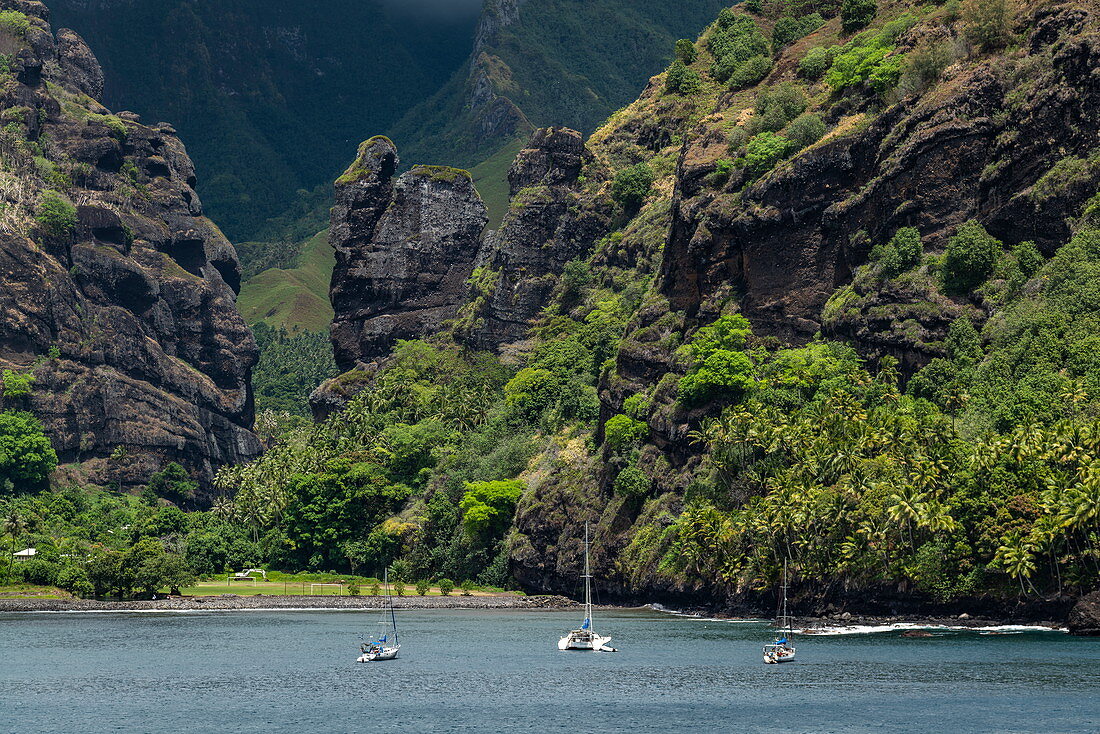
column 782, row 642
column 586, row 623
column 382, row 638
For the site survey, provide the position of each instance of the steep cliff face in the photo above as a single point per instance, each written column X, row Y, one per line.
column 974, row 150
column 118, row 293
column 404, row 246
column 549, row 224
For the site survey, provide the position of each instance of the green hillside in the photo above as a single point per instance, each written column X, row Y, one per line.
column 269, row 95
column 295, row 298
column 564, row 62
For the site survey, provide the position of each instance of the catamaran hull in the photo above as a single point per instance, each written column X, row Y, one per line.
column 593, row 644
column 373, row 657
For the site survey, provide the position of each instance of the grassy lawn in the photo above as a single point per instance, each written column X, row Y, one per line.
column 29, row 591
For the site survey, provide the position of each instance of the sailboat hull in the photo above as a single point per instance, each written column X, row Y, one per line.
column 778, row 654
column 373, row 656
column 585, row 642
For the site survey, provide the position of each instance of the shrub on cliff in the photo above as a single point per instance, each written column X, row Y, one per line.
column 56, row 215
column 17, row 385
column 871, row 64
column 763, row 151
column 856, row 14
column 751, row 72
column 719, row 364
column 172, row 482
column 788, row 29
column 14, row 22
column 621, row 431
column 777, row 106
column 632, row 482
column 530, row 392
column 806, row 129
column 901, row 253
column 817, row 61
column 970, row 258
column 685, row 51
column 682, row 80
column 26, row 455
column 737, row 39
column 631, row 186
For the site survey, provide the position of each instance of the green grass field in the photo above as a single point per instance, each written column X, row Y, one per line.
column 296, row 298
column 30, row 591
column 491, row 180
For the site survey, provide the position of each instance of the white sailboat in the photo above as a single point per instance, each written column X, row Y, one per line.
column 383, row 646
column 586, row 638
column 781, row 651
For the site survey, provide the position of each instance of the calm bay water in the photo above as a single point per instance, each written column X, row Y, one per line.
column 499, row 671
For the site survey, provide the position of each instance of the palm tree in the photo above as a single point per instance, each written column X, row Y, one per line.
column 1017, row 557
column 907, row 506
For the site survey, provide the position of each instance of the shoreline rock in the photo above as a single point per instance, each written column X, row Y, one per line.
column 1084, row 618
column 232, row 602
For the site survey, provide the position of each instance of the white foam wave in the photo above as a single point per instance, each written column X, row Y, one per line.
column 871, row 629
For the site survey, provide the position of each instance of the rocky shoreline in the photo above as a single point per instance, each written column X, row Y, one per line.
column 232, row 602
column 846, row 620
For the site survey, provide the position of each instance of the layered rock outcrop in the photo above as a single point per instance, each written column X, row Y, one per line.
column 977, row 149
column 405, row 247
column 119, row 295
column 549, row 224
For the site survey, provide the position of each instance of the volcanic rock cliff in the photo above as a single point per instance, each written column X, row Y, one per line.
column 976, row 149
column 118, row 293
column 404, row 249
column 545, row 228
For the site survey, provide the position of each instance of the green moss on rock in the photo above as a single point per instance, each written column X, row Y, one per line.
column 369, row 150
column 441, row 174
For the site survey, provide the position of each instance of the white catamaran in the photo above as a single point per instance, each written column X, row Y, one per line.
column 781, row 651
column 382, row 647
column 586, row 638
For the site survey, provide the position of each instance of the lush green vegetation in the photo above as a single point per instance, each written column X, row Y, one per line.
column 426, row 464
column 977, row 478
column 294, row 297
column 26, row 456
column 290, row 368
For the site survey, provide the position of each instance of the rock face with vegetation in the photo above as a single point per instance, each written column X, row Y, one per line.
column 118, row 328
column 824, row 295
column 405, row 247
column 547, row 226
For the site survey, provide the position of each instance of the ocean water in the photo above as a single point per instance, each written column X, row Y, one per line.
column 500, row 671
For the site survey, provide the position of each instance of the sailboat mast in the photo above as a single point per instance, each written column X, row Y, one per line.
column 587, row 581
column 785, row 621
